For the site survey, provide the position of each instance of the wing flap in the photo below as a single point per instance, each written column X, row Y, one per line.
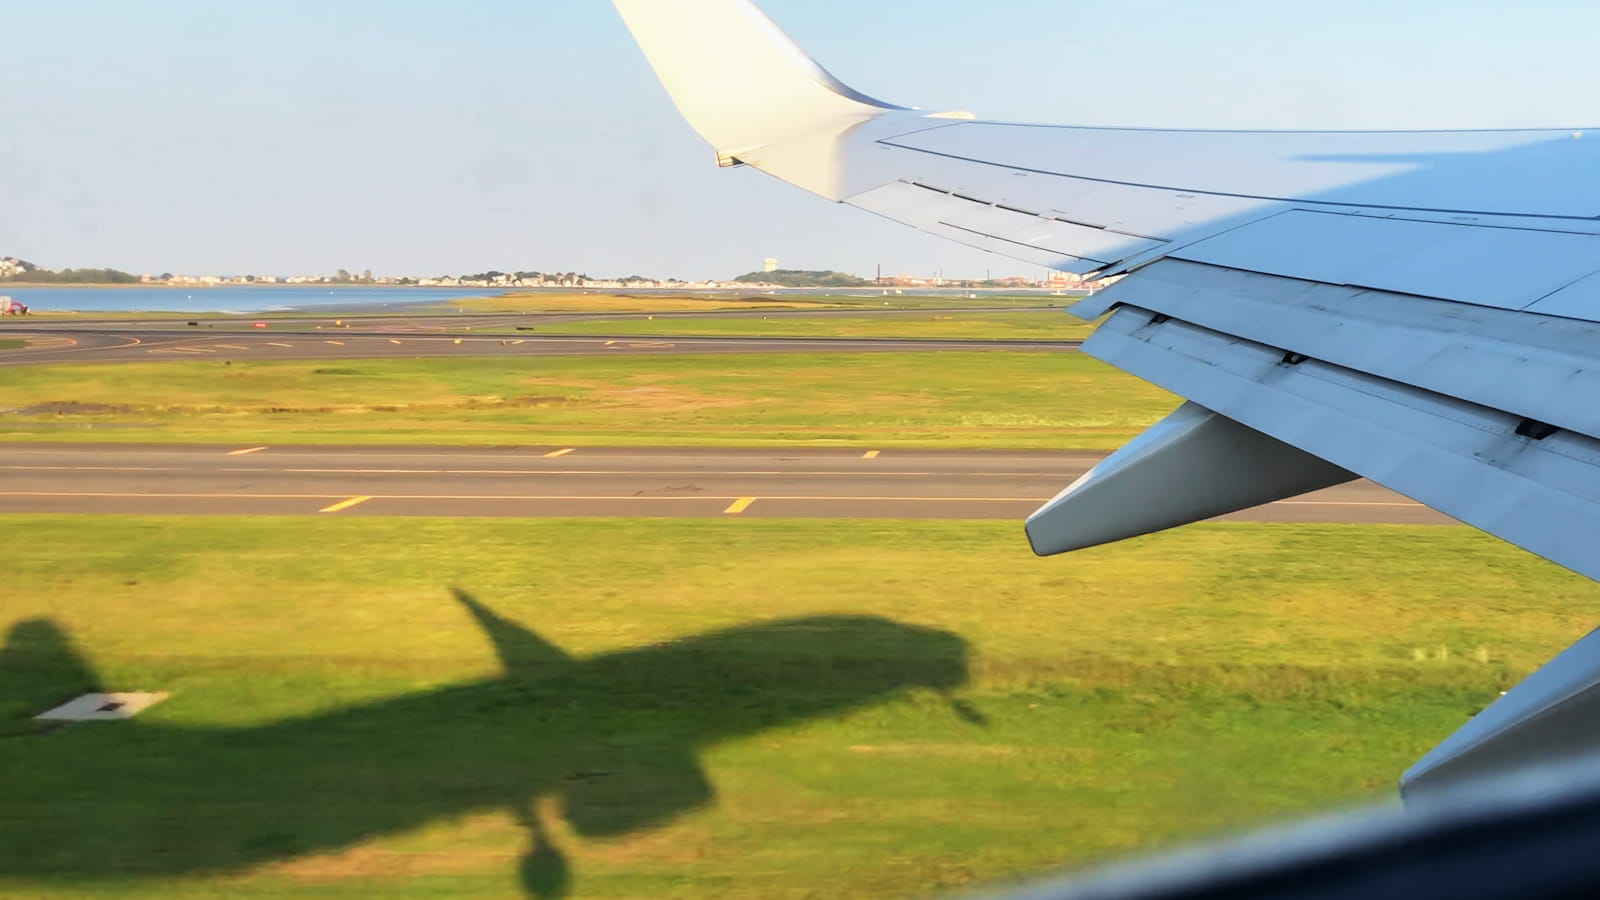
column 1538, row 490
column 1539, row 367
column 1579, row 300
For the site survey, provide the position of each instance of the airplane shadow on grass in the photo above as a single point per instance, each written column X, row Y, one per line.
column 612, row 738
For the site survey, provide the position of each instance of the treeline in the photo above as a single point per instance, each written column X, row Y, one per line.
column 803, row 278
column 74, row 276
column 495, row 274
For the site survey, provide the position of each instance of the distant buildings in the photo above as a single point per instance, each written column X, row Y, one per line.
column 11, row 267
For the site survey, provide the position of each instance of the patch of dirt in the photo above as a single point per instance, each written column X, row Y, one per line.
column 73, row 408
column 368, row 862
column 518, row 402
column 662, row 399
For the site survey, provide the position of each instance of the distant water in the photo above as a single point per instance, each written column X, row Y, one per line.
column 241, row 299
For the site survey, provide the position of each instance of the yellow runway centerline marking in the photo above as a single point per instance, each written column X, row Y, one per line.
column 393, row 341
column 870, row 454
column 335, row 343
column 738, row 506
column 273, row 344
column 344, row 504
column 555, row 453
column 246, row 452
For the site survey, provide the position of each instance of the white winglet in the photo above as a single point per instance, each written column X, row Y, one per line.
column 739, row 80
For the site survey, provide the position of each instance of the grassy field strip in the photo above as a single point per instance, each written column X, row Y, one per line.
column 376, row 708
column 946, row 399
column 548, row 301
column 1046, row 324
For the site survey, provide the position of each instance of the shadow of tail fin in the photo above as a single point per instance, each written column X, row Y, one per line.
column 40, row 668
column 523, row 654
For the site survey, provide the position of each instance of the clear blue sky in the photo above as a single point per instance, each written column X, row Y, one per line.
column 431, row 138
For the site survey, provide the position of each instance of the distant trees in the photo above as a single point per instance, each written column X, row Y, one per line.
column 803, row 278
column 74, row 276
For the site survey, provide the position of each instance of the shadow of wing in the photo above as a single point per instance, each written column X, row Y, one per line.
column 636, row 791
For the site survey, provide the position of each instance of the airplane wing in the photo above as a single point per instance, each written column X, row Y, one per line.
column 1418, row 308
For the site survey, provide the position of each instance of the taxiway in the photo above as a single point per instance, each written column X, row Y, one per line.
column 588, row 481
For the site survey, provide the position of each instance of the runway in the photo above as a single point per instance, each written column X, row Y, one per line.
column 84, row 345
column 587, row 481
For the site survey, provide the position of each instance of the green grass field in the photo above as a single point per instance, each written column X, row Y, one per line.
column 1050, row 324
column 584, row 301
column 952, row 399
column 753, row 709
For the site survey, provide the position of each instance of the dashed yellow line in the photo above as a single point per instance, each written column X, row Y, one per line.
column 246, row 452
column 233, row 347
column 555, row 453
column 738, row 506
column 870, row 454
column 335, row 343
column 393, row 341
column 273, row 344
column 344, row 504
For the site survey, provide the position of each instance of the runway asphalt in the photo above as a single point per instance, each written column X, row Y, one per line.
column 80, row 345
column 587, row 481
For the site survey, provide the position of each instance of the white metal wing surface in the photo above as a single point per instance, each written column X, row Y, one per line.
column 1418, row 308
column 1414, row 307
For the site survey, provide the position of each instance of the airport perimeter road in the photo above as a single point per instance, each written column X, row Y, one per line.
column 86, row 346
column 582, row 481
